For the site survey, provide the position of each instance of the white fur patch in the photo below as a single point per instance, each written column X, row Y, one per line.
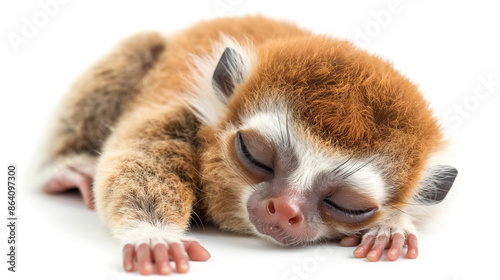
column 394, row 223
column 369, row 181
column 203, row 99
column 244, row 215
column 138, row 232
column 359, row 174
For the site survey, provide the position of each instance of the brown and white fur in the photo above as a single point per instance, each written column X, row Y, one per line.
column 257, row 126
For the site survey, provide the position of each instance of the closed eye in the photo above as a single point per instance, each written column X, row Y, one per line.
column 347, row 211
column 348, row 215
column 243, row 153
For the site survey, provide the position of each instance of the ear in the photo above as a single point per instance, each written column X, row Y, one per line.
column 437, row 184
column 228, row 74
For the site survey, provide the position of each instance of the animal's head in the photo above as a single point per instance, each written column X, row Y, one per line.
column 312, row 138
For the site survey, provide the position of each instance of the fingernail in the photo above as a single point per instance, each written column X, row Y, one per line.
column 165, row 270
column 148, row 266
column 413, row 252
column 359, row 250
column 207, row 255
column 129, row 267
column 372, row 254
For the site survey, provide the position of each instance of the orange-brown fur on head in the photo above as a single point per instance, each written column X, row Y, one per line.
column 352, row 101
column 342, row 100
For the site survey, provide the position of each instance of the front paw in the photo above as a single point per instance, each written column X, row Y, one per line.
column 373, row 243
column 161, row 252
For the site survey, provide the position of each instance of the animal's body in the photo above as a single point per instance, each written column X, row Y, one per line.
column 255, row 125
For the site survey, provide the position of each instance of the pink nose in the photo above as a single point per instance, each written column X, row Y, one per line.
column 284, row 212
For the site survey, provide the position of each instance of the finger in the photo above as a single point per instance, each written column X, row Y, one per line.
column 85, row 187
column 398, row 240
column 160, row 253
column 412, row 246
column 195, row 251
column 365, row 246
column 377, row 249
column 144, row 263
column 178, row 254
column 128, row 257
column 350, row 241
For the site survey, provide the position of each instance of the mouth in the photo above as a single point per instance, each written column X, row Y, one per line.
column 277, row 233
column 280, row 235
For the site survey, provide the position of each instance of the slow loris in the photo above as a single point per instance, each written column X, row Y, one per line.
column 256, row 126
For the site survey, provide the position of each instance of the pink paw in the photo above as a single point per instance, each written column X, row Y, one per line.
column 161, row 254
column 69, row 178
column 373, row 243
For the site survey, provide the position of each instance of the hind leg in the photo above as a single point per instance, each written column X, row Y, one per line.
column 89, row 112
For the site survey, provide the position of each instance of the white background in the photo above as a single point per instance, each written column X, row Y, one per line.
column 446, row 47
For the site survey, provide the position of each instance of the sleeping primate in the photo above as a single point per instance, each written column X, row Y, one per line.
column 256, row 126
